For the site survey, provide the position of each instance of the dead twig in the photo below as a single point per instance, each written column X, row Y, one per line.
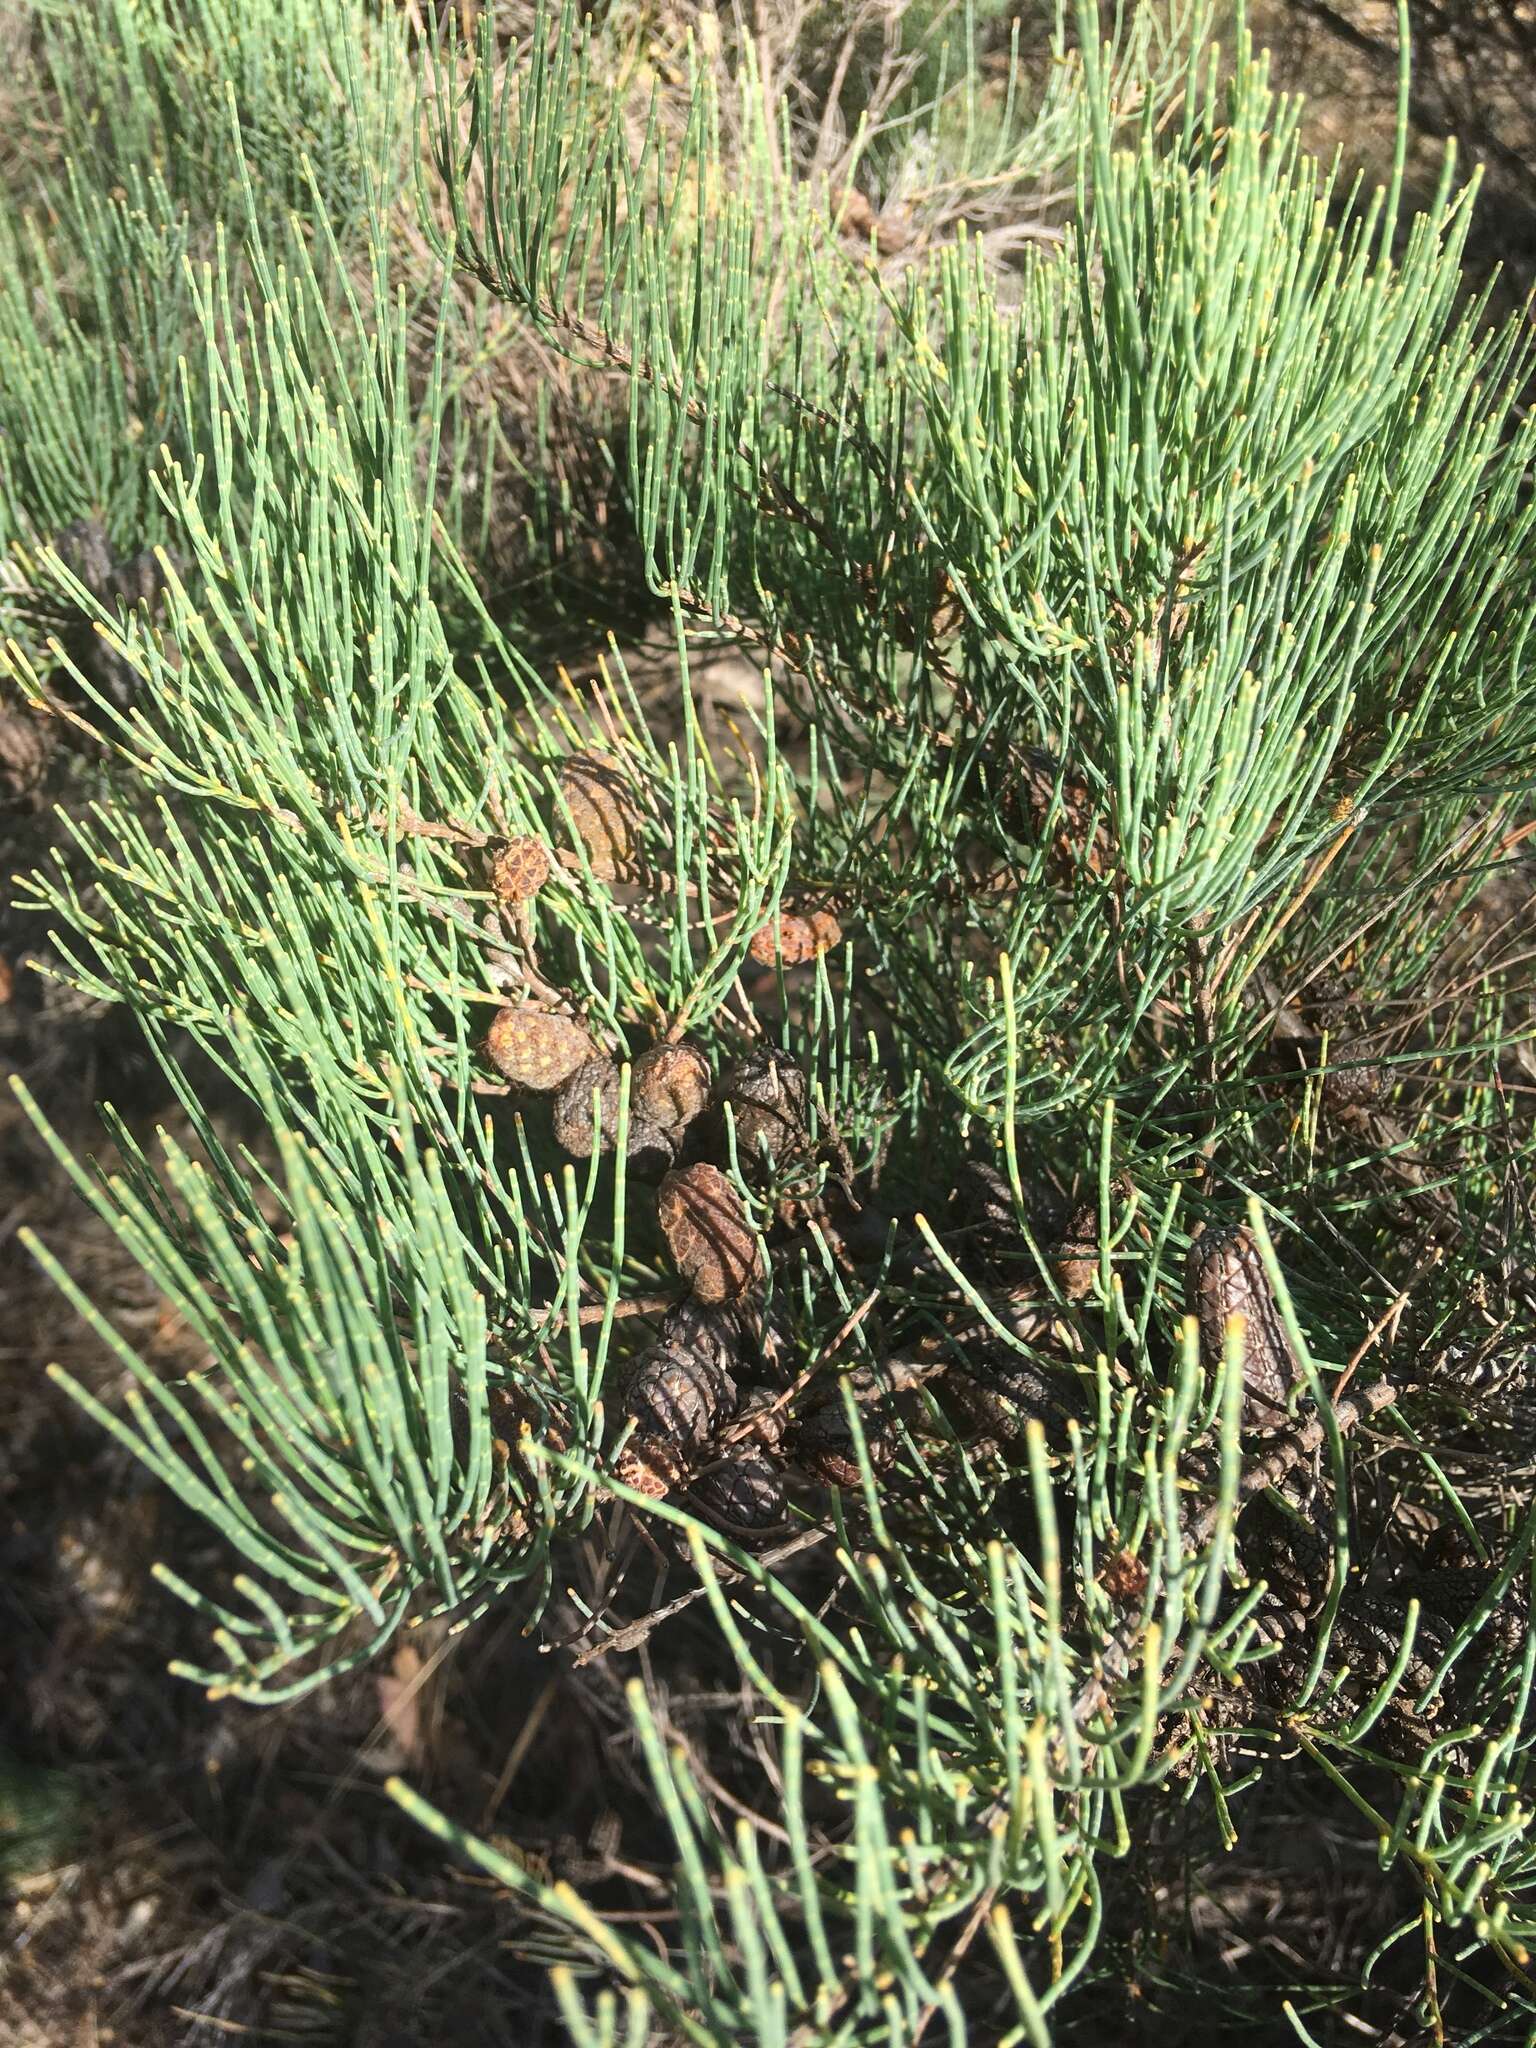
column 637, row 1632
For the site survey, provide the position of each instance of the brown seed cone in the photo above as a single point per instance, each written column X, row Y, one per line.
column 1452, row 1593
column 537, row 1049
column 948, row 613
column 87, row 552
column 1124, row 1578
column 824, row 1445
column 602, row 805
column 1350, row 1080
column 649, row 1151
column 1291, row 1555
column 26, row 747
column 980, row 871
column 712, row 1244
column 516, row 869
column 858, row 218
column 747, row 1492
column 1352, row 1083
column 573, row 1118
column 670, row 1085
column 787, row 937
column 726, row 1335
column 984, row 1196
column 140, row 579
column 984, row 1203
column 999, row 1390
column 679, row 1397
column 1027, row 812
column 1076, row 1261
column 1225, row 1277
column 769, row 1098
column 1448, row 1547
column 649, row 1466
column 825, row 930
column 1329, row 1002
column 762, row 1422
column 795, row 937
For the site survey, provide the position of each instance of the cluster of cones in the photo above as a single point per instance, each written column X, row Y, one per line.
column 708, row 1401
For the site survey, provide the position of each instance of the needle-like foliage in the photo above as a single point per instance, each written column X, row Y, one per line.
column 1138, row 617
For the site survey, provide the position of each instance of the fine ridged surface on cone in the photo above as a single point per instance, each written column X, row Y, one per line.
column 650, row 1465
column 517, row 869
column 824, row 1444
column 1322, row 1037
column 746, row 1492
column 1001, row 1391
column 601, row 802
column 595, row 1086
column 1225, row 1277
column 787, row 938
column 592, row 1092
column 826, row 932
column 670, row 1085
column 794, row 937
column 712, row 1244
column 769, row 1100
column 679, row 1396
column 1351, row 1082
column 537, row 1049
column 726, row 1334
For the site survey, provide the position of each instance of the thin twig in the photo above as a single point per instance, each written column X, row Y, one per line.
column 1388, row 1315
column 642, row 1305
column 638, row 1632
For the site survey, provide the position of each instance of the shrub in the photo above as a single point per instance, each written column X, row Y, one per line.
column 998, row 1148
